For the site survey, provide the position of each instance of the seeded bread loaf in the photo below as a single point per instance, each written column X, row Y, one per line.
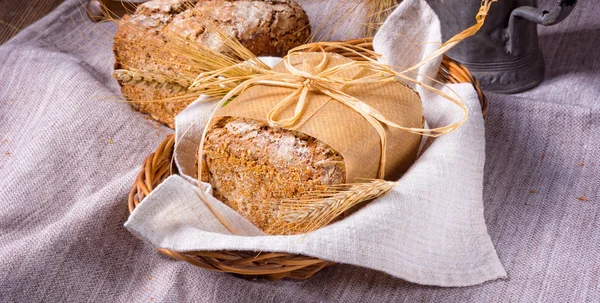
column 251, row 165
column 267, row 28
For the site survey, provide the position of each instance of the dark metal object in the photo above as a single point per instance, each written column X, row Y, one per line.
column 504, row 55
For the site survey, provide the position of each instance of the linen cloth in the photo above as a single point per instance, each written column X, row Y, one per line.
column 67, row 160
column 429, row 229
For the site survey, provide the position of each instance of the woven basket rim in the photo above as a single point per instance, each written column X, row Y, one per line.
column 270, row 265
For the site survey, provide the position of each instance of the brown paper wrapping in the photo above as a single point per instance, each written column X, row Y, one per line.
column 340, row 126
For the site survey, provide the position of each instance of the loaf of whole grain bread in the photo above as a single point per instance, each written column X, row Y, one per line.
column 265, row 27
column 250, row 165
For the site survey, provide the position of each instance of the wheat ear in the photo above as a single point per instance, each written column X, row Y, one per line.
column 317, row 208
column 153, row 79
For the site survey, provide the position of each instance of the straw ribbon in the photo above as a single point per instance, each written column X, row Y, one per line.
column 480, row 18
column 327, row 82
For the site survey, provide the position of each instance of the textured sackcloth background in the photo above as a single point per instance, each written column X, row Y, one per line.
column 63, row 190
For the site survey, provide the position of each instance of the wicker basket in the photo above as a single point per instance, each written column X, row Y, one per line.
column 272, row 266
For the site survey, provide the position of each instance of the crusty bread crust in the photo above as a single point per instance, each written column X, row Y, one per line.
column 267, row 28
column 251, row 166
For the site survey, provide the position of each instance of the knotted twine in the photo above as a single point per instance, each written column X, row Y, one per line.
column 330, row 82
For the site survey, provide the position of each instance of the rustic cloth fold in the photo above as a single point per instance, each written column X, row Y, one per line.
column 68, row 157
column 429, row 229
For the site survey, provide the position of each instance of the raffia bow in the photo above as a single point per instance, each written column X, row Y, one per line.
column 329, row 82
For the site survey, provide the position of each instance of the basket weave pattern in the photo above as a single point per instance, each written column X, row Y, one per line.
column 272, row 266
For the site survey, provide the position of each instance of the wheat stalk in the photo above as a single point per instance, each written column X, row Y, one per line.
column 316, row 208
column 222, row 64
column 377, row 12
column 154, row 79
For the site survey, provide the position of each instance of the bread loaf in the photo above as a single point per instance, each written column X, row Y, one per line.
column 267, row 28
column 250, row 165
